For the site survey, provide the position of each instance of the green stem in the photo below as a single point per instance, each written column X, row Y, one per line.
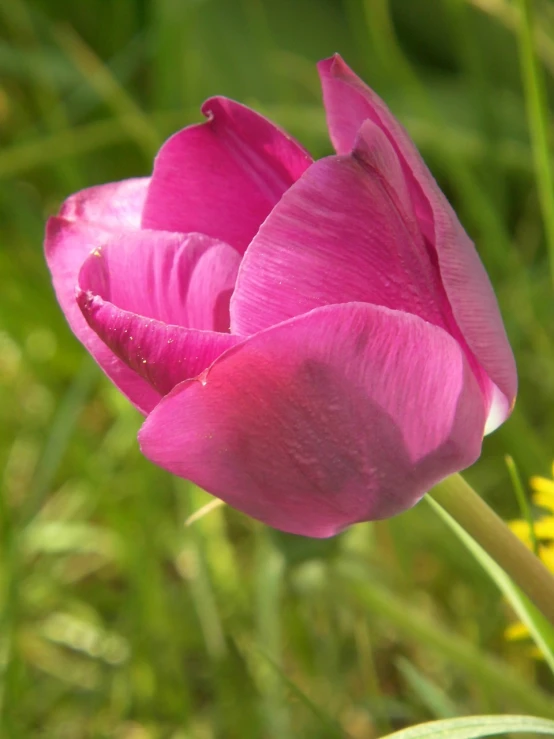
column 466, row 507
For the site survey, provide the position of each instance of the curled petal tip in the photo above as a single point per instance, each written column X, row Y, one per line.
column 85, row 300
column 214, row 105
column 330, row 64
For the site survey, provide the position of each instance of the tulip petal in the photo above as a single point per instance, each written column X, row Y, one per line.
column 348, row 413
column 114, row 205
column 180, row 279
column 67, row 245
column 349, row 102
column 344, row 232
column 162, row 354
column 158, row 300
column 224, row 176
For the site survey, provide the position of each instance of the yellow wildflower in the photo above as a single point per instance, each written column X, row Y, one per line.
column 543, row 527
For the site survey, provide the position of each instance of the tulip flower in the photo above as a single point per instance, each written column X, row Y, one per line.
column 315, row 343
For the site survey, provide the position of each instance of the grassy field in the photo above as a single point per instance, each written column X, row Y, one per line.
column 116, row 619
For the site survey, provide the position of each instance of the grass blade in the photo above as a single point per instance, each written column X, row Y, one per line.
column 493, row 675
column 474, row 727
column 537, row 113
column 540, row 629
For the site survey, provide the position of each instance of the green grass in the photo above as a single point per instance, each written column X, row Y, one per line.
column 116, row 619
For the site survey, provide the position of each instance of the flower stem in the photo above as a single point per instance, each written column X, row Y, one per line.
column 466, row 507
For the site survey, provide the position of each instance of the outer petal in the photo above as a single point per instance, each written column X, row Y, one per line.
column 348, row 413
column 224, row 176
column 67, row 245
column 115, row 205
column 344, row 232
column 147, row 294
column 348, row 102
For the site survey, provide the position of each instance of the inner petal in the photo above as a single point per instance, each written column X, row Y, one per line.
column 160, row 353
column 160, row 302
column 180, row 279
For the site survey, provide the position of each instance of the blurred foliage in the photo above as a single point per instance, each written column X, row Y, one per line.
column 117, row 620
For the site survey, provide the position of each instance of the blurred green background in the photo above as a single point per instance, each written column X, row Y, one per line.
column 116, row 619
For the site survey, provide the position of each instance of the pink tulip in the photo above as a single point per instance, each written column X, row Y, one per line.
column 316, row 343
